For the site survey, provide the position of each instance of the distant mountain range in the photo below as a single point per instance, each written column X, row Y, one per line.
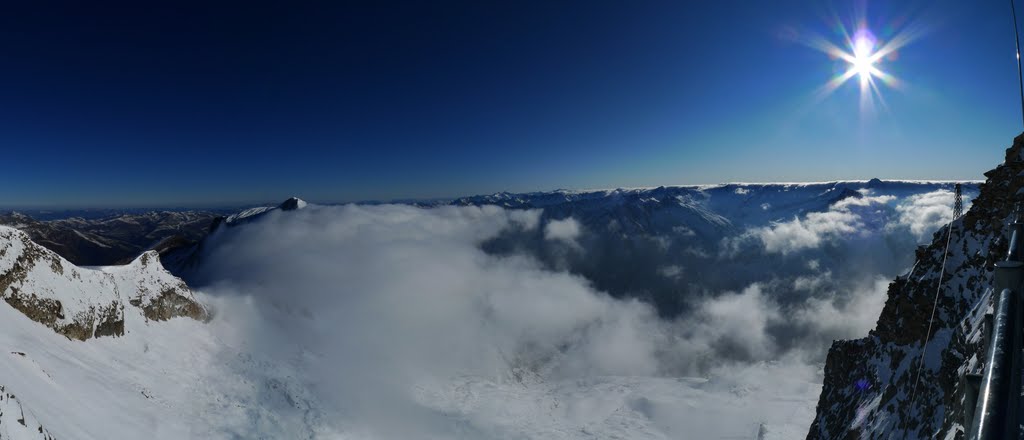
column 99, row 330
column 113, row 238
column 105, row 237
column 638, row 242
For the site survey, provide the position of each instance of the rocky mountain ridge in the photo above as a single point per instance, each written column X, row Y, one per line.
column 84, row 303
column 871, row 387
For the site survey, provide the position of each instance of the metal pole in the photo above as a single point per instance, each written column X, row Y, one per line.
column 990, row 413
column 1020, row 75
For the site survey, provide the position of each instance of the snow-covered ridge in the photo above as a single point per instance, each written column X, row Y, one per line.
column 253, row 213
column 728, row 185
column 83, row 303
column 16, row 421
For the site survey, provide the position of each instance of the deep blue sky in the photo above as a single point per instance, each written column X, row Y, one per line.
column 213, row 103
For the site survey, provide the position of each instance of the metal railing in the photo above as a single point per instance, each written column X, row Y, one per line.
column 997, row 412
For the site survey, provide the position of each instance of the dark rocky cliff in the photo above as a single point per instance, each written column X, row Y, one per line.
column 869, row 386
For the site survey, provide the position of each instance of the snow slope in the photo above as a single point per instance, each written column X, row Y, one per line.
column 168, row 380
column 184, row 379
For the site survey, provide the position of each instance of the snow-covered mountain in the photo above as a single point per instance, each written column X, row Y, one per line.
column 672, row 244
column 254, row 213
column 639, row 242
column 84, row 303
column 758, row 278
column 49, row 298
column 726, row 206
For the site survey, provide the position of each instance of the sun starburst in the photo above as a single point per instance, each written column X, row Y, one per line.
column 863, row 56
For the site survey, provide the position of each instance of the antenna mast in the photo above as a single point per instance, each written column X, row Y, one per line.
column 1020, row 75
column 958, row 204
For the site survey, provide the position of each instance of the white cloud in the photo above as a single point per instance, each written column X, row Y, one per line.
column 812, row 282
column 847, row 203
column 926, row 213
column 739, row 322
column 809, row 232
column 527, row 219
column 375, row 302
column 389, row 296
column 844, row 218
column 671, row 271
column 854, row 314
column 565, row 230
column 683, row 231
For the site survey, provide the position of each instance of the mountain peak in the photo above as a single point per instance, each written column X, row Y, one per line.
column 292, row 203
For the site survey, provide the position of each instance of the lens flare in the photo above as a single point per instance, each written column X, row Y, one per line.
column 862, row 56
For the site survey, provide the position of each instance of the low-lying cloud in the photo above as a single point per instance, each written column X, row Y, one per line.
column 374, row 300
column 926, row 213
column 843, row 219
column 849, row 218
column 565, row 230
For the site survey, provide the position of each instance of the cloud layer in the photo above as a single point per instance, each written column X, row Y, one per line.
column 926, row 213
column 374, row 301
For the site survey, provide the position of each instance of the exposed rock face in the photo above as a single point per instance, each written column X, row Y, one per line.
column 84, row 303
column 170, row 304
column 871, row 387
column 159, row 295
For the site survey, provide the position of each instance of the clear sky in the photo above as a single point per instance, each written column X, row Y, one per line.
column 180, row 103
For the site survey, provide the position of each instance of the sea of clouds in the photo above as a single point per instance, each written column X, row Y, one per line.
column 371, row 303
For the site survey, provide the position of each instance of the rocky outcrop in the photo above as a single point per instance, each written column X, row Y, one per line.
column 903, row 381
column 158, row 294
column 170, row 304
column 85, row 303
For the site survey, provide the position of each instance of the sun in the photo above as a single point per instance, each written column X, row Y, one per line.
column 860, row 53
column 862, row 56
column 862, row 62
